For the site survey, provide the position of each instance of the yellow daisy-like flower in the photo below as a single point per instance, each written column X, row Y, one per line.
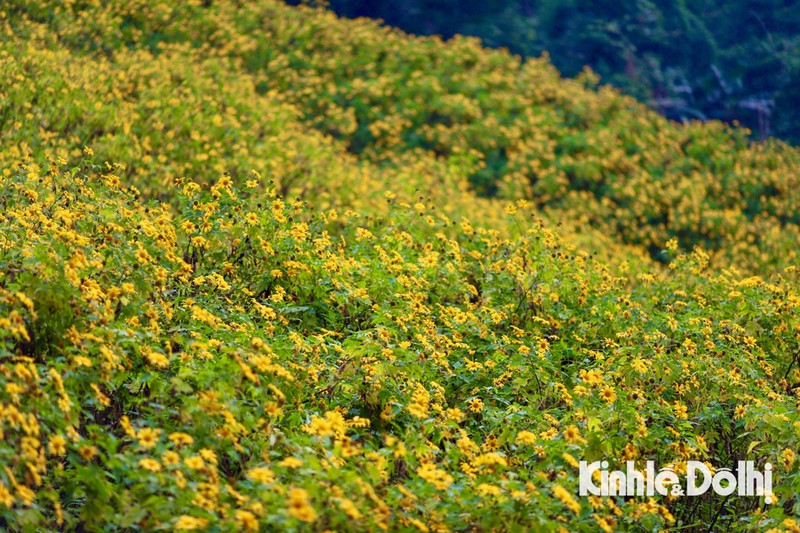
column 158, row 360
column 476, row 405
column 291, row 462
column 261, row 474
column 80, row 360
column 171, row 458
column 194, row 462
column 88, row 452
column 570, row 459
column 608, row 394
column 566, row 498
column 245, row 520
column 150, row 464
column 573, row 435
column 190, row 523
column 57, row 445
column 487, row 489
column 300, row 507
column 6, row 499
column 181, row 439
column 272, row 409
column 787, row 458
column 142, row 256
column 526, row 437
column 148, row 437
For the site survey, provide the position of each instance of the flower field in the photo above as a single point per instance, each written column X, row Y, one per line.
column 265, row 269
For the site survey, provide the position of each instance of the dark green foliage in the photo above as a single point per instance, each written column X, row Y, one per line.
column 707, row 59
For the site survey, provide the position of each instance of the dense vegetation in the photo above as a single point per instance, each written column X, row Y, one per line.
column 262, row 268
column 730, row 60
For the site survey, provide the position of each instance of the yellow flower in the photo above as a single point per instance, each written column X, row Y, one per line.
column 454, row 414
column 261, row 474
column 580, row 390
column 26, row 495
column 486, row 489
column 476, row 405
column 277, row 210
column 181, row 439
column 299, row 506
column 570, row 459
column 104, row 400
column 566, row 498
column 419, row 525
column 190, row 523
column 148, row 437
column 171, row 458
column 202, row 315
column 549, row 434
column 272, row 409
column 526, row 437
column 606, row 524
column 573, row 435
column 156, row 359
column 591, row 377
column 88, row 452
column 209, row 455
column 245, row 520
column 127, row 427
column 142, row 256
column 80, row 360
column 787, row 458
column 320, row 427
column 57, row 445
column 358, row 422
column 27, row 302
column 438, row 478
column 6, row 499
column 608, row 394
column 195, row 462
column 291, row 462
column 672, row 245
column 150, row 464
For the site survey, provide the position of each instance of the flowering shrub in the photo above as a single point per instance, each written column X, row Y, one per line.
column 355, row 340
column 194, row 89
column 236, row 363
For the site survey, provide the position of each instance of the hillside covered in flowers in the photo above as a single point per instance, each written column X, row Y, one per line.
column 265, row 269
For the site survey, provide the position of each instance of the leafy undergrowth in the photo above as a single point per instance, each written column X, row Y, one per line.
column 234, row 365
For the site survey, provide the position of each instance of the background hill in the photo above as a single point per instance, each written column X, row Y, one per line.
column 729, row 60
column 514, row 130
column 261, row 267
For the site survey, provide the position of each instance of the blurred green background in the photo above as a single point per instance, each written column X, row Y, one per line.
column 733, row 60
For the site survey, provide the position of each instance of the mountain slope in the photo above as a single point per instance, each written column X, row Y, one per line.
column 589, row 158
column 223, row 365
column 224, row 306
